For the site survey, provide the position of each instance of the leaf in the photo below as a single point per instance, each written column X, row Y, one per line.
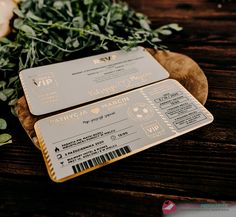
column 12, row 102
column 13, row 111
column 12, row 80
column 104, row 47
column 78, row 21
column 108, row 18
column 110, row 31
column 18, row 12
column 175, row 26
column 95, row 27
column 5, row 40
column 68, row 40
column 40, row 4
column 116, row 16
column 165, row 32
column 32, row 16
column 8, row 92
column 75, row 44
column 139, row 15
column 88, row 2
column 102, row 21
column 69, row 11
column 5, row 138
column 3, row 124
column 144, row 24
column 45, row 30
column 156, row 40
column 130, row 22
column 28, row 30
column 58, row 5
column 3, row 97
column 18, row 23
column 8, row 142
column 3, row 84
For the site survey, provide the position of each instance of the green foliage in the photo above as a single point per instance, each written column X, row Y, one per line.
column 3, row 124
column 5, row 138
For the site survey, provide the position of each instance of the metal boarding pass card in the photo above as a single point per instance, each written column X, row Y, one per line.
column 58, row 86
column 86, row 138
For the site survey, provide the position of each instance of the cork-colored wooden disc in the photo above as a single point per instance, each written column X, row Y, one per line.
column 180, row 67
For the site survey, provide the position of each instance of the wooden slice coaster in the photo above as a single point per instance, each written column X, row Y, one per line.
column 180, row 67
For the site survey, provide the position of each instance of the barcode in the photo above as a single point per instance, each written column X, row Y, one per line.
column 101, row 159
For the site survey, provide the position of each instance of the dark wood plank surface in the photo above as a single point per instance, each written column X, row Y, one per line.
column 199, row 166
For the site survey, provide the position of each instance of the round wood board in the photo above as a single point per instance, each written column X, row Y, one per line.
column 180, row 67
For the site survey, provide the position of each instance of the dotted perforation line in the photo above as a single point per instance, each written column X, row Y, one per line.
column 158, row 112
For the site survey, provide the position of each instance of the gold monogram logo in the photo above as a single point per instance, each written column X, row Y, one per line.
column 105, row 59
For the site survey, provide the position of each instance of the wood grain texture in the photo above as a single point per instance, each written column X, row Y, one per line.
column 199, row 165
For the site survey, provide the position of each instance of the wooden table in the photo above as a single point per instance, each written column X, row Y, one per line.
column 199, row 166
